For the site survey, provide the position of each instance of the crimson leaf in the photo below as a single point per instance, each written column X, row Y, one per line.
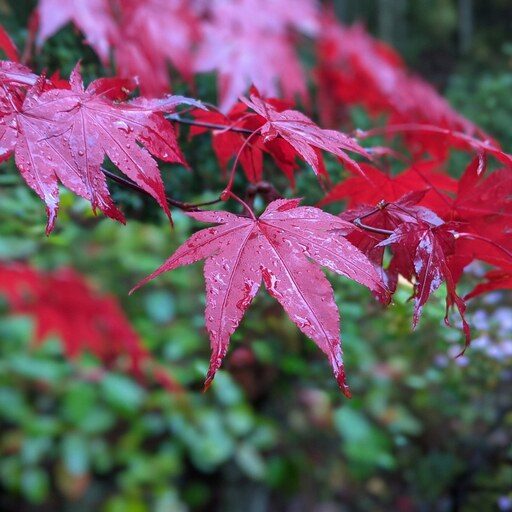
column 305, row 137
column 65, row 134
column 276, row 247
column 422, row 250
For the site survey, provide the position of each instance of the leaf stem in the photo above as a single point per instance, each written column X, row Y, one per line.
column 358, row 222
column 241, row 201
column 235, row 163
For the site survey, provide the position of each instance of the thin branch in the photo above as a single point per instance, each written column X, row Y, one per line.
column 358, row 222
column 237, row 158
column 212, row 126
column 188, row 207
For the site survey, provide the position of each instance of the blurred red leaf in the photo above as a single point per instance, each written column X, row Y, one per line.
column 63, row 304
column 250, row 42
column 8, row 46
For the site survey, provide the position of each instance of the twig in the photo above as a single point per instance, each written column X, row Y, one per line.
column 212, row 126
column 188, row 207
column 358, row 222
column 381, row 231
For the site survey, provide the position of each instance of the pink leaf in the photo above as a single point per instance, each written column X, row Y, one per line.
column 276, row 248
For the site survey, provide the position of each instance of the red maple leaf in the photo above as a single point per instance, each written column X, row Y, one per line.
column 304, row 136
column 14, row 80
column 93, row 18
column 227, row 143
column 7, row 45
column 250, row 42
column 64, row 134
column 137, row 32
column 483, row 208
column 436, row 141
column 495, row 280
column 275, row 248
column 373, row 224
column 149, row 35
column 377, row 185
column 63, row 304
column 355, row 68
column 483, row 199
column 12, row 75
column 422, row 251
column 248, row 144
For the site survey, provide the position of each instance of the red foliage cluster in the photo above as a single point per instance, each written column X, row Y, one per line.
column 63, row 304
column 245, row 41
column 433, row 224
column 355, row 69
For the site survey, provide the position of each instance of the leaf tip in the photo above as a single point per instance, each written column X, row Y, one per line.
column 51, row 215
column 339, row 374
column 342, row 383
column 209, row 378
column 138, row 285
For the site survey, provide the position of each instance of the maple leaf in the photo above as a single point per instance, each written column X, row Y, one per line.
column 374, row 224
column 8, row 46
column 63, row 304
column 355, row 68
column 275, row 248
column 248, row 146
column 483, row 208
column 13, row 74
column 483, row 199
column 422, row 250
column 437, row 140
column 137, row 33
column 227, row 143
column 249, row 42
column 378, row 185
column 495, row 280
column 14, row 79
column 93, row 18
column 149, row 35
column 65, row 134
column 304, row 136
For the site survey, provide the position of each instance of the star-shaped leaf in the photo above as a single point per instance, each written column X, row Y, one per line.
column 65, row 133
column 276, row 248
column 304, row 136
